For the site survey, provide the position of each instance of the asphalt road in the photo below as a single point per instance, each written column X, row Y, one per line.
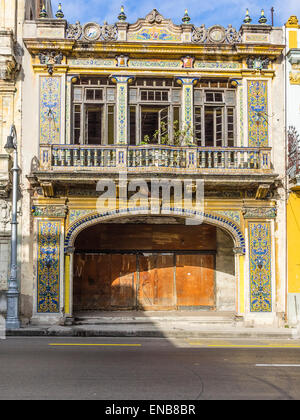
column 148, row 369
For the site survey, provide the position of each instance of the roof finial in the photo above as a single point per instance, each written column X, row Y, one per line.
column 247, row 17
column 59, row 13
column 186, row 18
column 262, row 20
column 122, row 16
column 43, row 12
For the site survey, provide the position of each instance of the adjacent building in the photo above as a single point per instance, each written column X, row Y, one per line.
column 293, row 166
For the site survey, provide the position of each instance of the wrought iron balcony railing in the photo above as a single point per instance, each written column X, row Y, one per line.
column 154, row 158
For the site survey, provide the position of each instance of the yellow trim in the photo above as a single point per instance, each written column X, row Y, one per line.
column 242, row 284
column 67, row 284
column 293, row 39
column 90, row 345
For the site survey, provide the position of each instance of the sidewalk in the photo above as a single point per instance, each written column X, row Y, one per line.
column 156, row 324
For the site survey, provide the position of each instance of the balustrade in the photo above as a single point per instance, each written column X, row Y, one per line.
column 155, row 158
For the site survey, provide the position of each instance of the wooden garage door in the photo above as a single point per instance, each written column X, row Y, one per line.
column 104, row 282
column 195, row 282
column 156, row 282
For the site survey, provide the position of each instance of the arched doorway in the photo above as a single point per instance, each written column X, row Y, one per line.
column 153, row 264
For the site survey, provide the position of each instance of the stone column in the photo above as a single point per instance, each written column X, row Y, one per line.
column 187, row 111
column 122, row 107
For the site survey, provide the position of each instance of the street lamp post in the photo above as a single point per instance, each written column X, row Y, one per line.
column 12, row 317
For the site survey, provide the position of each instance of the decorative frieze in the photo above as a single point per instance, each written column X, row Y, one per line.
column 49, row 211
column 259, row 212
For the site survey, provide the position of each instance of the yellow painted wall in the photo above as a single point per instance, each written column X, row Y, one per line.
column 293, row 39
column 293, row 234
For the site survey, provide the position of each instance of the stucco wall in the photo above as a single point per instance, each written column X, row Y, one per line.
column 225, row 272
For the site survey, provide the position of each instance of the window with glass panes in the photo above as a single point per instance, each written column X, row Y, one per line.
column 214, row 114
column 154, row 110
column 93, row 113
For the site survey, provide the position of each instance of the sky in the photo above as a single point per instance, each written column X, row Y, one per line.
column 221, row 12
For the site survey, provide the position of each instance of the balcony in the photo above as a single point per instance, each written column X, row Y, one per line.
column 233, row 168
column 155, row 158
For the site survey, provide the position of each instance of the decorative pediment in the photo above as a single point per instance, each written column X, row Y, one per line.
column 154, row 28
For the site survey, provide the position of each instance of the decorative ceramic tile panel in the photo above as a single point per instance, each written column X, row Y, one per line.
column 122, row 107
column 260, row 267
column 91, row 62
column 188, row 105
column 154, row 33
column 50, row 110
column 48, row 267
column 155, row 63
column 258, row 113
column 241, row 116
column 217, row 65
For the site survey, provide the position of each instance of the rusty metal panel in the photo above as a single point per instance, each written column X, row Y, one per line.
column 195, row 280
column 156, row 282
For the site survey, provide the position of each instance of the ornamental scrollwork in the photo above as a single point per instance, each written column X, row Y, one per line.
column 74, row 31
column 199, row 35
column 108, row 32
column 216, row 35
column 154, row 17
column 232, row 35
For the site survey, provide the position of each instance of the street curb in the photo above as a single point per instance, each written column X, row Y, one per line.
column 172, row 333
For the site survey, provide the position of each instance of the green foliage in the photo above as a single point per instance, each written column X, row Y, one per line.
column 180, row 137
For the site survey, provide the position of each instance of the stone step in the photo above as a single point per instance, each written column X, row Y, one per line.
column 155, row 318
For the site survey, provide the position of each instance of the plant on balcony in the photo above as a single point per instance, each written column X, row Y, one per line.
column 179, row 136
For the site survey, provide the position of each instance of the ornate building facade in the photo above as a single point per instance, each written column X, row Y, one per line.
column 121, row 107
column 293, row 167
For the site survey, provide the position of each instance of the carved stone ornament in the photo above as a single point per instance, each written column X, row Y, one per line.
column 5, row 212
column 258, row 63
column 216, row 35
column 109, row 32
column 259, row 212
column 199, row 35
column 74, row 31
column 50, row 58
column 9, row 69
column 154, row 17
column 232, row 36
